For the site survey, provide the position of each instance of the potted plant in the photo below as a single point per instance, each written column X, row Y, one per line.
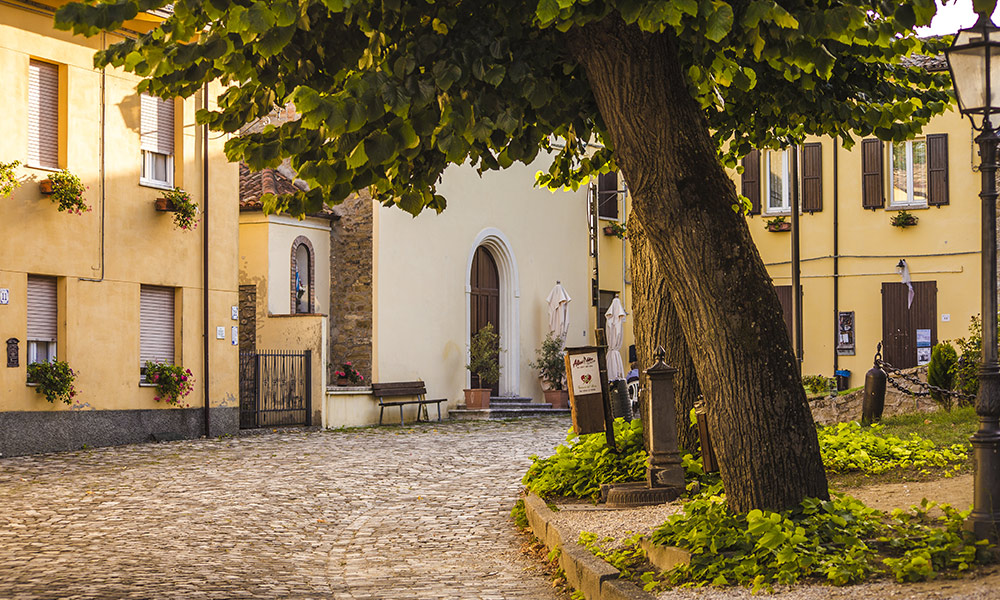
column 551, row 368
column 8, row 178
column 348, row 375
column 54, row 380
column 615, row 229
column 484, row 355
column 66, row 190
column 903, row 219
column 180, row 203
column 172, row 382
column 777, row 224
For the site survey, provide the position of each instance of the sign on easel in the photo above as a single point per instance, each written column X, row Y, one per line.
column 587, row 374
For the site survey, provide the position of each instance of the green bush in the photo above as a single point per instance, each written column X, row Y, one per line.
column 484, row 355
column 549, row 361
column 818, row 384
column 966, row 370
column 941, row 372
column 54, row 380
column 579, row 468
column 849, row 447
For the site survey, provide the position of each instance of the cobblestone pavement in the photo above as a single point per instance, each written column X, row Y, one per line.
column 415, row 512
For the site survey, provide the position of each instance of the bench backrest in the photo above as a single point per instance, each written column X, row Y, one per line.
column 401, row 388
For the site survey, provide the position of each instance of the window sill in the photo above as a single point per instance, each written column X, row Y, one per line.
column 41, row 168
column 785, row 212
column 899, row 207
column 158, row 185
column 609, row 219
column 29, row 384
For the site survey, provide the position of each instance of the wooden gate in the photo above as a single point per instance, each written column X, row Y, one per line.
column 275, row 389
column 484, row 303
column 900, row 323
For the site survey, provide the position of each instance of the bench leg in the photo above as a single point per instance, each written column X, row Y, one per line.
column 380, row 413
column 401, row 415
column 439, row 411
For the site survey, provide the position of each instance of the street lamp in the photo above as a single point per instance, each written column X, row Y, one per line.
column 974, row 62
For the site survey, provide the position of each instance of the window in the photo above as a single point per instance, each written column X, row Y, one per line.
column 43, row 114
column 776, row 182
column 607, row 196
column 42, row 314
column 908, row 173
column 604, row 303
column 156, row 324
column 157, row 141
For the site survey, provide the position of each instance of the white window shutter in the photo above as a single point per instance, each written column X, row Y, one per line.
column 156, row 324
column 43, row 114
column 157, row 124
column 42, row 311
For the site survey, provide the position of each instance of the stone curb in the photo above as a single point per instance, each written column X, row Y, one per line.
column 594, row 577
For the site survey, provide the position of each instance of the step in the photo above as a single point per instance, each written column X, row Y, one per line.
column 504, row 412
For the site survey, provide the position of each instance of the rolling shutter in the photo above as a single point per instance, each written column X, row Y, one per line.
column 42, row 310
column 751, row 180
column 937, row 169
column 157, row 127
column 156, row 324
column 43, row 114
column 812, row 177
column 872, row 182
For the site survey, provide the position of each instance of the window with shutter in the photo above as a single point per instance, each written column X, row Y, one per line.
column 911, row 173
column 42, row 319
column 872, row 191
column 812, row 177
column 937, row 169
column 157, row 141
column 156, row 324
column 776, row 188
column 750, row 184
column 43, row 114
column 607, row 196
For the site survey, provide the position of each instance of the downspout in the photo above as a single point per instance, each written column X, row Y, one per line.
column 204, row 251
column 101, row 159
column 836, row 260
column 595, row 292
column 796, row 267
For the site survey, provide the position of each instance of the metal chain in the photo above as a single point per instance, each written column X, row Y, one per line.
column 913, row 380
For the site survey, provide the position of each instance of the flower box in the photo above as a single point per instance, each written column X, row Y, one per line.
column 45, row 186
column 783, row 226
column 165, row 205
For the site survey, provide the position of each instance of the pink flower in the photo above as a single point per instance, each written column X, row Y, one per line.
column 361, row 376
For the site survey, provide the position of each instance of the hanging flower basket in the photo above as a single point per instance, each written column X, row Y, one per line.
column 180, row 203
column 164, row 205
column 66, row 191
column 45, row 186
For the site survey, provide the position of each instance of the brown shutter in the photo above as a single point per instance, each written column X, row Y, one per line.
column 785, row 298
column 157, row 124
column 43, row 114
column 156, row 324
column 937, row 169
column 812, row 177
column 751, row 180
column 607, row 195
column 872, row 182
column 42, row 310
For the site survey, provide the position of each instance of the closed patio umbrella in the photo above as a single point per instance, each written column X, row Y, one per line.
column 615, row 331
column 558, row 301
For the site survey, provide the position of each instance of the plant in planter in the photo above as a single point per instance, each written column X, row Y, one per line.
column 777, row 224
column 66, row 190
column 551, row 368
column 172, row 382
column 618, row 230
column 8, row 178
column 484, row 362
column 348, row 375
column 184, row 208
column 903, row 219
column 54, row 380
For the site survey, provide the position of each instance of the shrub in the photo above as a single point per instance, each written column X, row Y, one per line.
column 818, row 384
column 67, row 192
column 848, row 447
column 484, row 355
column 941, row 372
column 966, row 370
column 172, row 382
column 54, row 380
column 549, row 361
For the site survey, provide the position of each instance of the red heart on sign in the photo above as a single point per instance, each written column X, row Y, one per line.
column 585, row 378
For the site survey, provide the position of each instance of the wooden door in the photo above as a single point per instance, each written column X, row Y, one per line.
column 485, row 300
column 900, row 323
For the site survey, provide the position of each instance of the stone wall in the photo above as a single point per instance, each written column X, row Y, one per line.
column 828, row 410
column 351, row 285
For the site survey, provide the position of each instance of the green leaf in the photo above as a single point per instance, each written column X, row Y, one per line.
column 358, row 158
column 547, row 11
column 720, row 21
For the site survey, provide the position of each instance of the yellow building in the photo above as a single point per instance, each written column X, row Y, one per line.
column 119, row 284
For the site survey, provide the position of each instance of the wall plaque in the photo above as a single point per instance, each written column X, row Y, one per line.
column 13, row 353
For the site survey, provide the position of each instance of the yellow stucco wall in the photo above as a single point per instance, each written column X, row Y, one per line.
column 422, row 275
column 99, row 303
column 615, row 271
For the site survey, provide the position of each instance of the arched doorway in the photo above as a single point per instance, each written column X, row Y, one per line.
column 484, row 301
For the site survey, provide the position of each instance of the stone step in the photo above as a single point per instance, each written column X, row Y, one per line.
column 504, row 412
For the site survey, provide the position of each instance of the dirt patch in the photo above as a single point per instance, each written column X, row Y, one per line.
column 956, row 491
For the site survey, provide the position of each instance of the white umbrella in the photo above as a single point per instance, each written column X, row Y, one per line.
column 558, row 301
column 615, row 332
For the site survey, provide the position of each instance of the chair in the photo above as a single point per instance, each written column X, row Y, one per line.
column 633, row 395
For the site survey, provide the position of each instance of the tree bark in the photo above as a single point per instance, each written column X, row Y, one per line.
column 760, row 423
column 655, row 323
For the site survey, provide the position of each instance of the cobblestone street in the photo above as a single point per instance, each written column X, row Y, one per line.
column 415, row 512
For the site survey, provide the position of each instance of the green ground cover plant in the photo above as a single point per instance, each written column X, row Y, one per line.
column 849, row 447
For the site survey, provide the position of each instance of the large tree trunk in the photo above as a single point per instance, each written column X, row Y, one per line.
column 758, row 417
column 655, row 323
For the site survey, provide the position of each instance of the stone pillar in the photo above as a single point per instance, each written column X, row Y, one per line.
column 659, row 431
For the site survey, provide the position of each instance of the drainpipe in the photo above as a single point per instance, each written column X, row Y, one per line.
column 102, row 120
column 796, row 279
column 836, row 260
column 206, row 380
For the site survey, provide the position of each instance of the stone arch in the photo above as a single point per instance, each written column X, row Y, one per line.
column 307, row 275
column 498, row 246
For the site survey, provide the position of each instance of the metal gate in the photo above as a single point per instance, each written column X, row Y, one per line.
column 275, row 389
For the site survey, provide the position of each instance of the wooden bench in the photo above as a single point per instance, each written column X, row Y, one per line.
column 388, row 394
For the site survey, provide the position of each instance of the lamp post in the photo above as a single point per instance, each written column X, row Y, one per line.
column 974, row 62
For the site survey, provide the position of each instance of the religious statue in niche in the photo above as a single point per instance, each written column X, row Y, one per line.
column 845, row 333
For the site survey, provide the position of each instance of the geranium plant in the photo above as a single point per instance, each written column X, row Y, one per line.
column 54, row 380
column 185, row 209
column 348, row 372
column 67, row 192
column 172, row 382
column 8, row 178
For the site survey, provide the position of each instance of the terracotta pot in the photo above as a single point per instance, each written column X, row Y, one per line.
column 343, row 381
column 786, row 226
column 609, row 230
column 46, row 186
column 477, row 399
column 164, row 204
column 557, row 398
